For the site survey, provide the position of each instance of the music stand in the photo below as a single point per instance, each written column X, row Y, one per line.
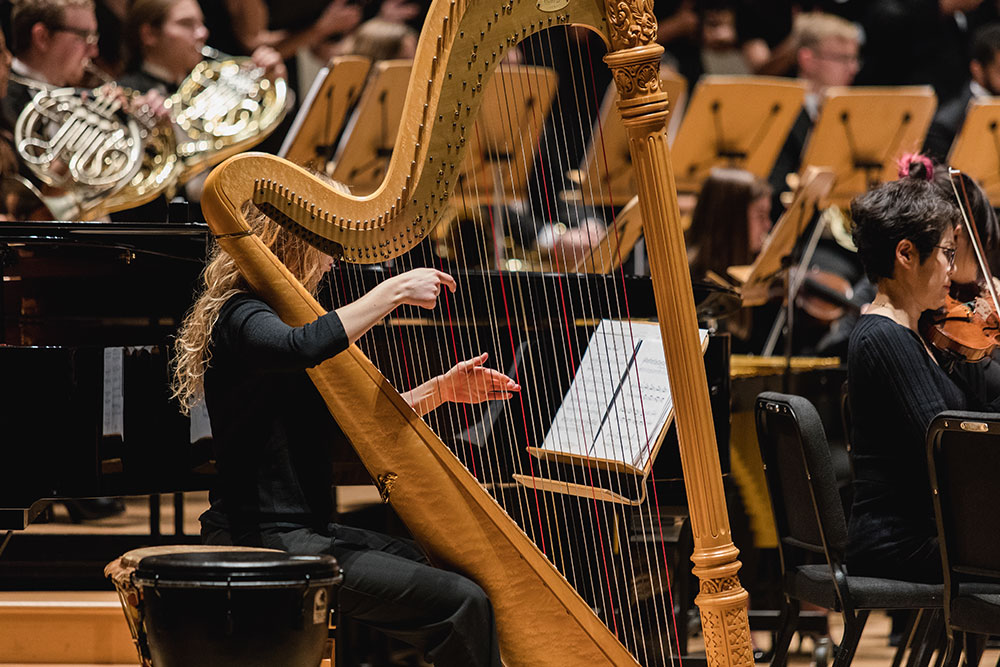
column 772, row 261
column 501, row 145
column 617, row 243
column 734, row 121
column 311, row 140
column 364, row 152
column 976, row 150
column 862, row 132
column 605, row 178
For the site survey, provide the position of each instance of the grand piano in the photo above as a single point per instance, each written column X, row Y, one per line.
column 87, row 312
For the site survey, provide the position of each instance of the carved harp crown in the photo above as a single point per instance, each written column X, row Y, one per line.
column 541, row 619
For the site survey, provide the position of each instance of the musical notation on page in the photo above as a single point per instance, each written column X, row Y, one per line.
column 619, row 403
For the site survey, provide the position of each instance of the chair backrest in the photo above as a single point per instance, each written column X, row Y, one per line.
column 807, row 508
column 963, row 450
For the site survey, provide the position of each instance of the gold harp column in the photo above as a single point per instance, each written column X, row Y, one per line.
column 635, row 62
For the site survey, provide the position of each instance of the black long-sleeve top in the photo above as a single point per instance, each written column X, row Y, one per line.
column 895, row 390
column 273, row 434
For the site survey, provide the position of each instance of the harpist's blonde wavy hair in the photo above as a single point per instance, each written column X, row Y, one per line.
column 222, row 279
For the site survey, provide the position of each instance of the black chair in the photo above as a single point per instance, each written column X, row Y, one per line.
column 812, row 533
column 963, row 451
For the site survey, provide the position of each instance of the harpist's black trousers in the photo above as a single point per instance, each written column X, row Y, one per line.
column 389, row 586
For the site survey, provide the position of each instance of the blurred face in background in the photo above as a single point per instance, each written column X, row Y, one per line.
column 63, row 51
column 987, row 75
column 758, row 222
column 177, row 43
column 833, row 62
column 5, row 59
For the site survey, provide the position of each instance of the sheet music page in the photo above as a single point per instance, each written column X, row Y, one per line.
column 619, row 400
column 114, row 396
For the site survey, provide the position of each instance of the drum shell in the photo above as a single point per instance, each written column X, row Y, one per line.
column 243, row 618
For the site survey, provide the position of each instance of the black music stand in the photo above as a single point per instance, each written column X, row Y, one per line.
column 863, row 131
column 734, row 121
column 976, row 150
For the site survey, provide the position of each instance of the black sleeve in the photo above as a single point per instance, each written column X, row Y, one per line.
column 254, row 334
column 981, row 383
column 902, row 364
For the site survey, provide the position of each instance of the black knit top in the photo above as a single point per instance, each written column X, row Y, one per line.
column 271, row 430
column 895, row 390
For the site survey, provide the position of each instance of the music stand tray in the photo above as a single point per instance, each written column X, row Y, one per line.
column 814, row 186
column 366, row 147
column 516, row 103
column 862, row 131
column 605, row 178
column 312, row 138
column 976, row 150
column 734, row 121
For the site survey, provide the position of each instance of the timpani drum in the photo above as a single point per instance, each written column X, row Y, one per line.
column 226, row 605
column 120, row 572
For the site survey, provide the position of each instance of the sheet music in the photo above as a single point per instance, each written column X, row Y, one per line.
column 619, row 401
column 114, row 397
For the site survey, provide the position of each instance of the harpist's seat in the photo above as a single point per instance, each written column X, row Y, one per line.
column 812, row 529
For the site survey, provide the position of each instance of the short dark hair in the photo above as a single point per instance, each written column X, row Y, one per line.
column 905, row 209
column 985, row 44
column 26, row 13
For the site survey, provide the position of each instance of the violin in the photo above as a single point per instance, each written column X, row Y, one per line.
column 968, row 329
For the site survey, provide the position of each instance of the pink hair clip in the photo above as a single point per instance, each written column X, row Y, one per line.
column 908, row 159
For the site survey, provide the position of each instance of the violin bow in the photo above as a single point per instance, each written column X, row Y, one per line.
column 973, row 232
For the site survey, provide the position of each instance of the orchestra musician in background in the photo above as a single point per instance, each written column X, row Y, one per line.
column 274, row 440
column 165, row 42
column 905, row 235
column 728, row 227
column 984, row 69
column 53, row 42
column 827, row 55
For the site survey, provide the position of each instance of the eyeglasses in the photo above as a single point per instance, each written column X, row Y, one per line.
column 90, row 37
column 840, row 58
column 949, row 254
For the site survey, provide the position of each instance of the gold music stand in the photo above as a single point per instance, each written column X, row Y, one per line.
column 617, row 243
column 312, row 138
column 734, row 121
column 976, row 150
column 758, row 278
column 605, row 178
column 370, row 135
column 516, row 104
column 862, row 132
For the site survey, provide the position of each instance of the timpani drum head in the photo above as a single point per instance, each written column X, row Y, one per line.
column 238, row 608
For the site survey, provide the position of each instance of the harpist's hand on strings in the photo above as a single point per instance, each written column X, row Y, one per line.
column 419, row 287
column 471, row 382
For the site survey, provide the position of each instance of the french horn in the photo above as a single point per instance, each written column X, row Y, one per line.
column 81, row 147
column 94, row 154
column 225, row 106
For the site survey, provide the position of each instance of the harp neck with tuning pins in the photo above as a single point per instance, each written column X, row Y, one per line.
column 521, row 558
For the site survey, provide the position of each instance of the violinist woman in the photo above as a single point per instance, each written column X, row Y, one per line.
column 905, row 235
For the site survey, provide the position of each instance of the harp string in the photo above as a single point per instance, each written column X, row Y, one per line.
column 553, row 165
column 647, row 520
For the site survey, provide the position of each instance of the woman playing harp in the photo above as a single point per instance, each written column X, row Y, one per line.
column 273, row 435
column 619, row 615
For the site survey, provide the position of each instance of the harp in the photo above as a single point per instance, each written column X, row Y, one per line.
column 541, row 618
